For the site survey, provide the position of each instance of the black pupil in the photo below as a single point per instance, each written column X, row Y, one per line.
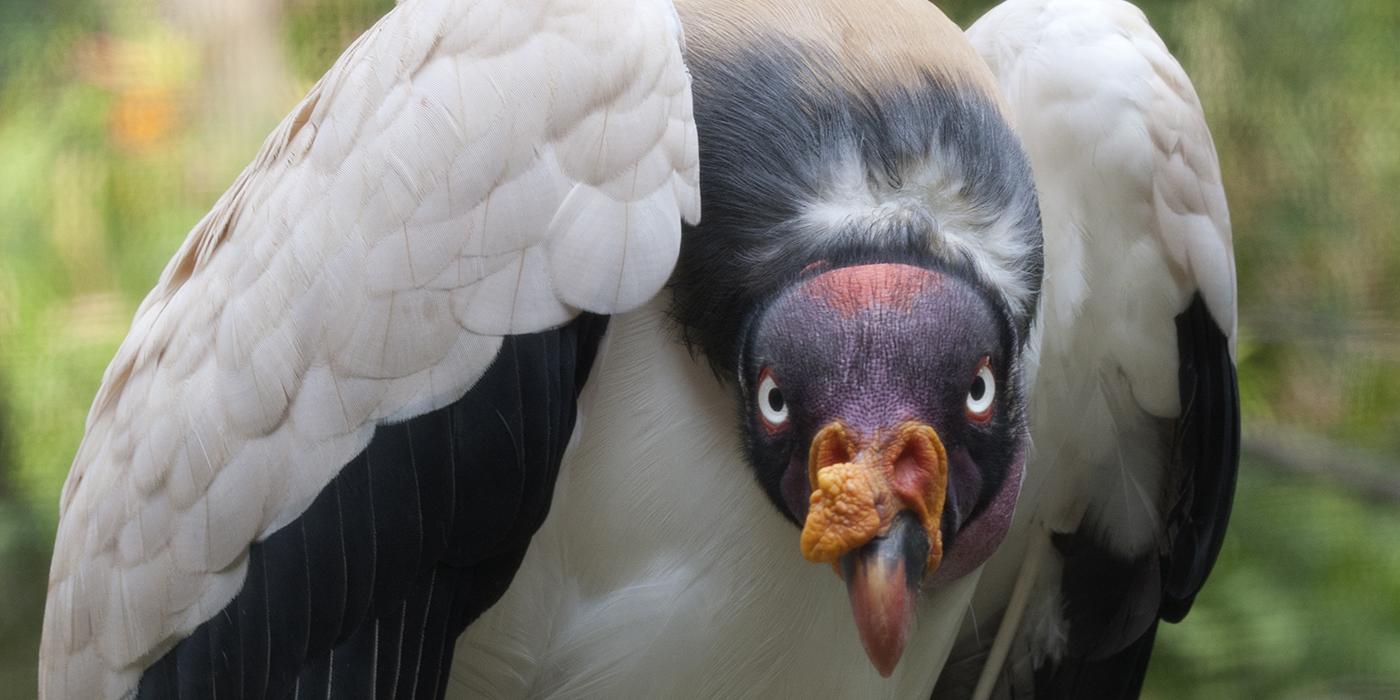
column 979, row 388
column 775, row 399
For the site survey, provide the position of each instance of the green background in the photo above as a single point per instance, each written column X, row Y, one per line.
column 121, row 121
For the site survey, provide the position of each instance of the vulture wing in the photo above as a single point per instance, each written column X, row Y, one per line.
column 336, row 421
column 1134, row 410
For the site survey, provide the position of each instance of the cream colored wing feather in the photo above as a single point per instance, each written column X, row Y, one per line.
column 1135, row 226
column 1133, row 209
column 466, row 170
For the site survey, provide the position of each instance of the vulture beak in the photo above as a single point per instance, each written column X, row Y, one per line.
column 875, row 514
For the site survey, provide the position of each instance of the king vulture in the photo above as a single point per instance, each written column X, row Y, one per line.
column 443, row 398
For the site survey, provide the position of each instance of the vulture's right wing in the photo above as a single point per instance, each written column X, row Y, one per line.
column 1134, row 409
column 336, row 421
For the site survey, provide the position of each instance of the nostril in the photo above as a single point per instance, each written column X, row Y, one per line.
column 916, row 462
column 908, row 474
column 831, row 446
column 833, row 450
column 906, row 462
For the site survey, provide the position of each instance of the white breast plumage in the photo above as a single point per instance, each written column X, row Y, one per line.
column 663, row 572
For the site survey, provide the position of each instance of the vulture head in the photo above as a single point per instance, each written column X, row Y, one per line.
column 865, row 274
column 880, row 415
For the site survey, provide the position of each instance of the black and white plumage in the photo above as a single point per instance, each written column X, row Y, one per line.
column 1135, row 409
column 361, row 442
column 441, row 188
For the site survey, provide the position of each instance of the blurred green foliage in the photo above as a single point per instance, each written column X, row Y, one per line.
column 114, row 143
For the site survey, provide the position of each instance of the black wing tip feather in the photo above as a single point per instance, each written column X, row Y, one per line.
column 1208, row 438
column 364, row 594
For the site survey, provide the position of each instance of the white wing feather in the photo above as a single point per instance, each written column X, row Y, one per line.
column 465, row 170
column 1135, row 224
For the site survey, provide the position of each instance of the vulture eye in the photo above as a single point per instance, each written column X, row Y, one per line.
column 772, row 407
column 982, row 393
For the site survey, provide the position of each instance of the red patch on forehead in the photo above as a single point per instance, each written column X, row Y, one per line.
column 851, row 290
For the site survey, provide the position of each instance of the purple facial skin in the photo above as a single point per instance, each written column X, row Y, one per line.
column 873, row 346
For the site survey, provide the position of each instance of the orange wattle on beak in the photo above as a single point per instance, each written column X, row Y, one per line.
column 876, row 511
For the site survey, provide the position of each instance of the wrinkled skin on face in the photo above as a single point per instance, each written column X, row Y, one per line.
column 883, row 401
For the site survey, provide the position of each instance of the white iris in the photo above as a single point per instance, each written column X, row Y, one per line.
column 771, row 403
column 983, row 391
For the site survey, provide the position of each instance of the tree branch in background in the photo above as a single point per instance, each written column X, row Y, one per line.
column 1288, row 449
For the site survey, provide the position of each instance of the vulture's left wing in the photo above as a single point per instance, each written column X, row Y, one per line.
column 336, row 421
column 1134, row 408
